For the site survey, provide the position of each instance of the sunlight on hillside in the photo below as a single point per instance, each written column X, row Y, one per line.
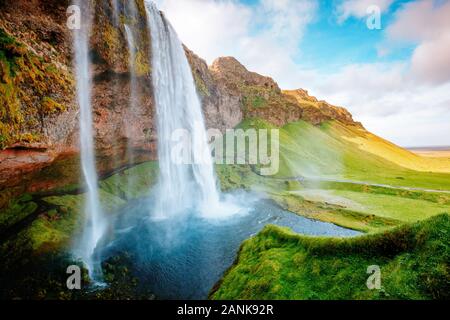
column 373, row 144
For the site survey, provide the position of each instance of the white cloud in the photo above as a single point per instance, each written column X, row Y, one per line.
column 286, row 19
column 264, row 37
column 418, row 127
column 210, row 28
column 431, row 60
column 427, row 24
column 390, row 104
column 421, row 20
column 358, row 8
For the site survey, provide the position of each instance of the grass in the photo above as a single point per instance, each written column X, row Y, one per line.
column 370, row 143
column 352, row 219
column 279, row 264
column 394, row 207
column 334, row 150
column 317, row 153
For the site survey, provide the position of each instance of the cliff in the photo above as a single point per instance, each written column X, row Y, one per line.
column 38, row 112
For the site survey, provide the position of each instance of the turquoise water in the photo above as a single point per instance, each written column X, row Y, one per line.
column 183, row 259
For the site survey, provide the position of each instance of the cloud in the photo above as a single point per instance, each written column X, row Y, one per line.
column 418, row 127
column 286, row 19
column 425, row 23
column 210, row 28
column 358, row 8
column 420, row 20
column 265, row 37
column 431, row 60
column 389, row 103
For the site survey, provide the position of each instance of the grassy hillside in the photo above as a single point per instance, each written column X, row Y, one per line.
column 279, row 264
column 349, row 177
column 348, row 152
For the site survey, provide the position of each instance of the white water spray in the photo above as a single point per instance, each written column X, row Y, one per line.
column 133, row 92
column 178, row 107
column 94, row 220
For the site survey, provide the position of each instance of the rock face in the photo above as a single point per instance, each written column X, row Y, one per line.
column 222, row 107
column 261, row 97
column 39, row 116
column 39, row 121
column 316, row 111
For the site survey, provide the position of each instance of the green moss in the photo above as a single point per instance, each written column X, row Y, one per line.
column 132, row 183
column 111, row 37
column 279, row 264
column 62, row 218
column 255, row 97
column 26, row 82
column 50, row 106
column 201, row 86
column 17, row 210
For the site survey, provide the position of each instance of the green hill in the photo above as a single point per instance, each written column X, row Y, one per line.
column 279, row 264
column 334, row 150
column 345, row 175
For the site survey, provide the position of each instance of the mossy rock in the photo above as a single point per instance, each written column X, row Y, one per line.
column 17, row 210
column 28, row 87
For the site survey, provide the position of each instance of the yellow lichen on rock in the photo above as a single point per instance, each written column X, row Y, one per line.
column 26, row 84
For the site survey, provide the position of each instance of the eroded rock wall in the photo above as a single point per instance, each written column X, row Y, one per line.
column 39, row 113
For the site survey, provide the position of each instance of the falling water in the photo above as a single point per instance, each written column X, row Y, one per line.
column 181, row 186
column 132, row 100
column 95, row 224
column 115, row 13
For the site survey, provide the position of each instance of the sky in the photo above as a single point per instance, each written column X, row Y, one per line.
column 394, row 78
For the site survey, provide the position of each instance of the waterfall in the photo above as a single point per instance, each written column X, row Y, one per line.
column 178, row 107
column 130, row 29
column 94, row 221
column 133, row 92
column 115, row 13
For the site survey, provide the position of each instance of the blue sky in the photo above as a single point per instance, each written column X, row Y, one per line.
column 395, row 80
column 329, row 45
